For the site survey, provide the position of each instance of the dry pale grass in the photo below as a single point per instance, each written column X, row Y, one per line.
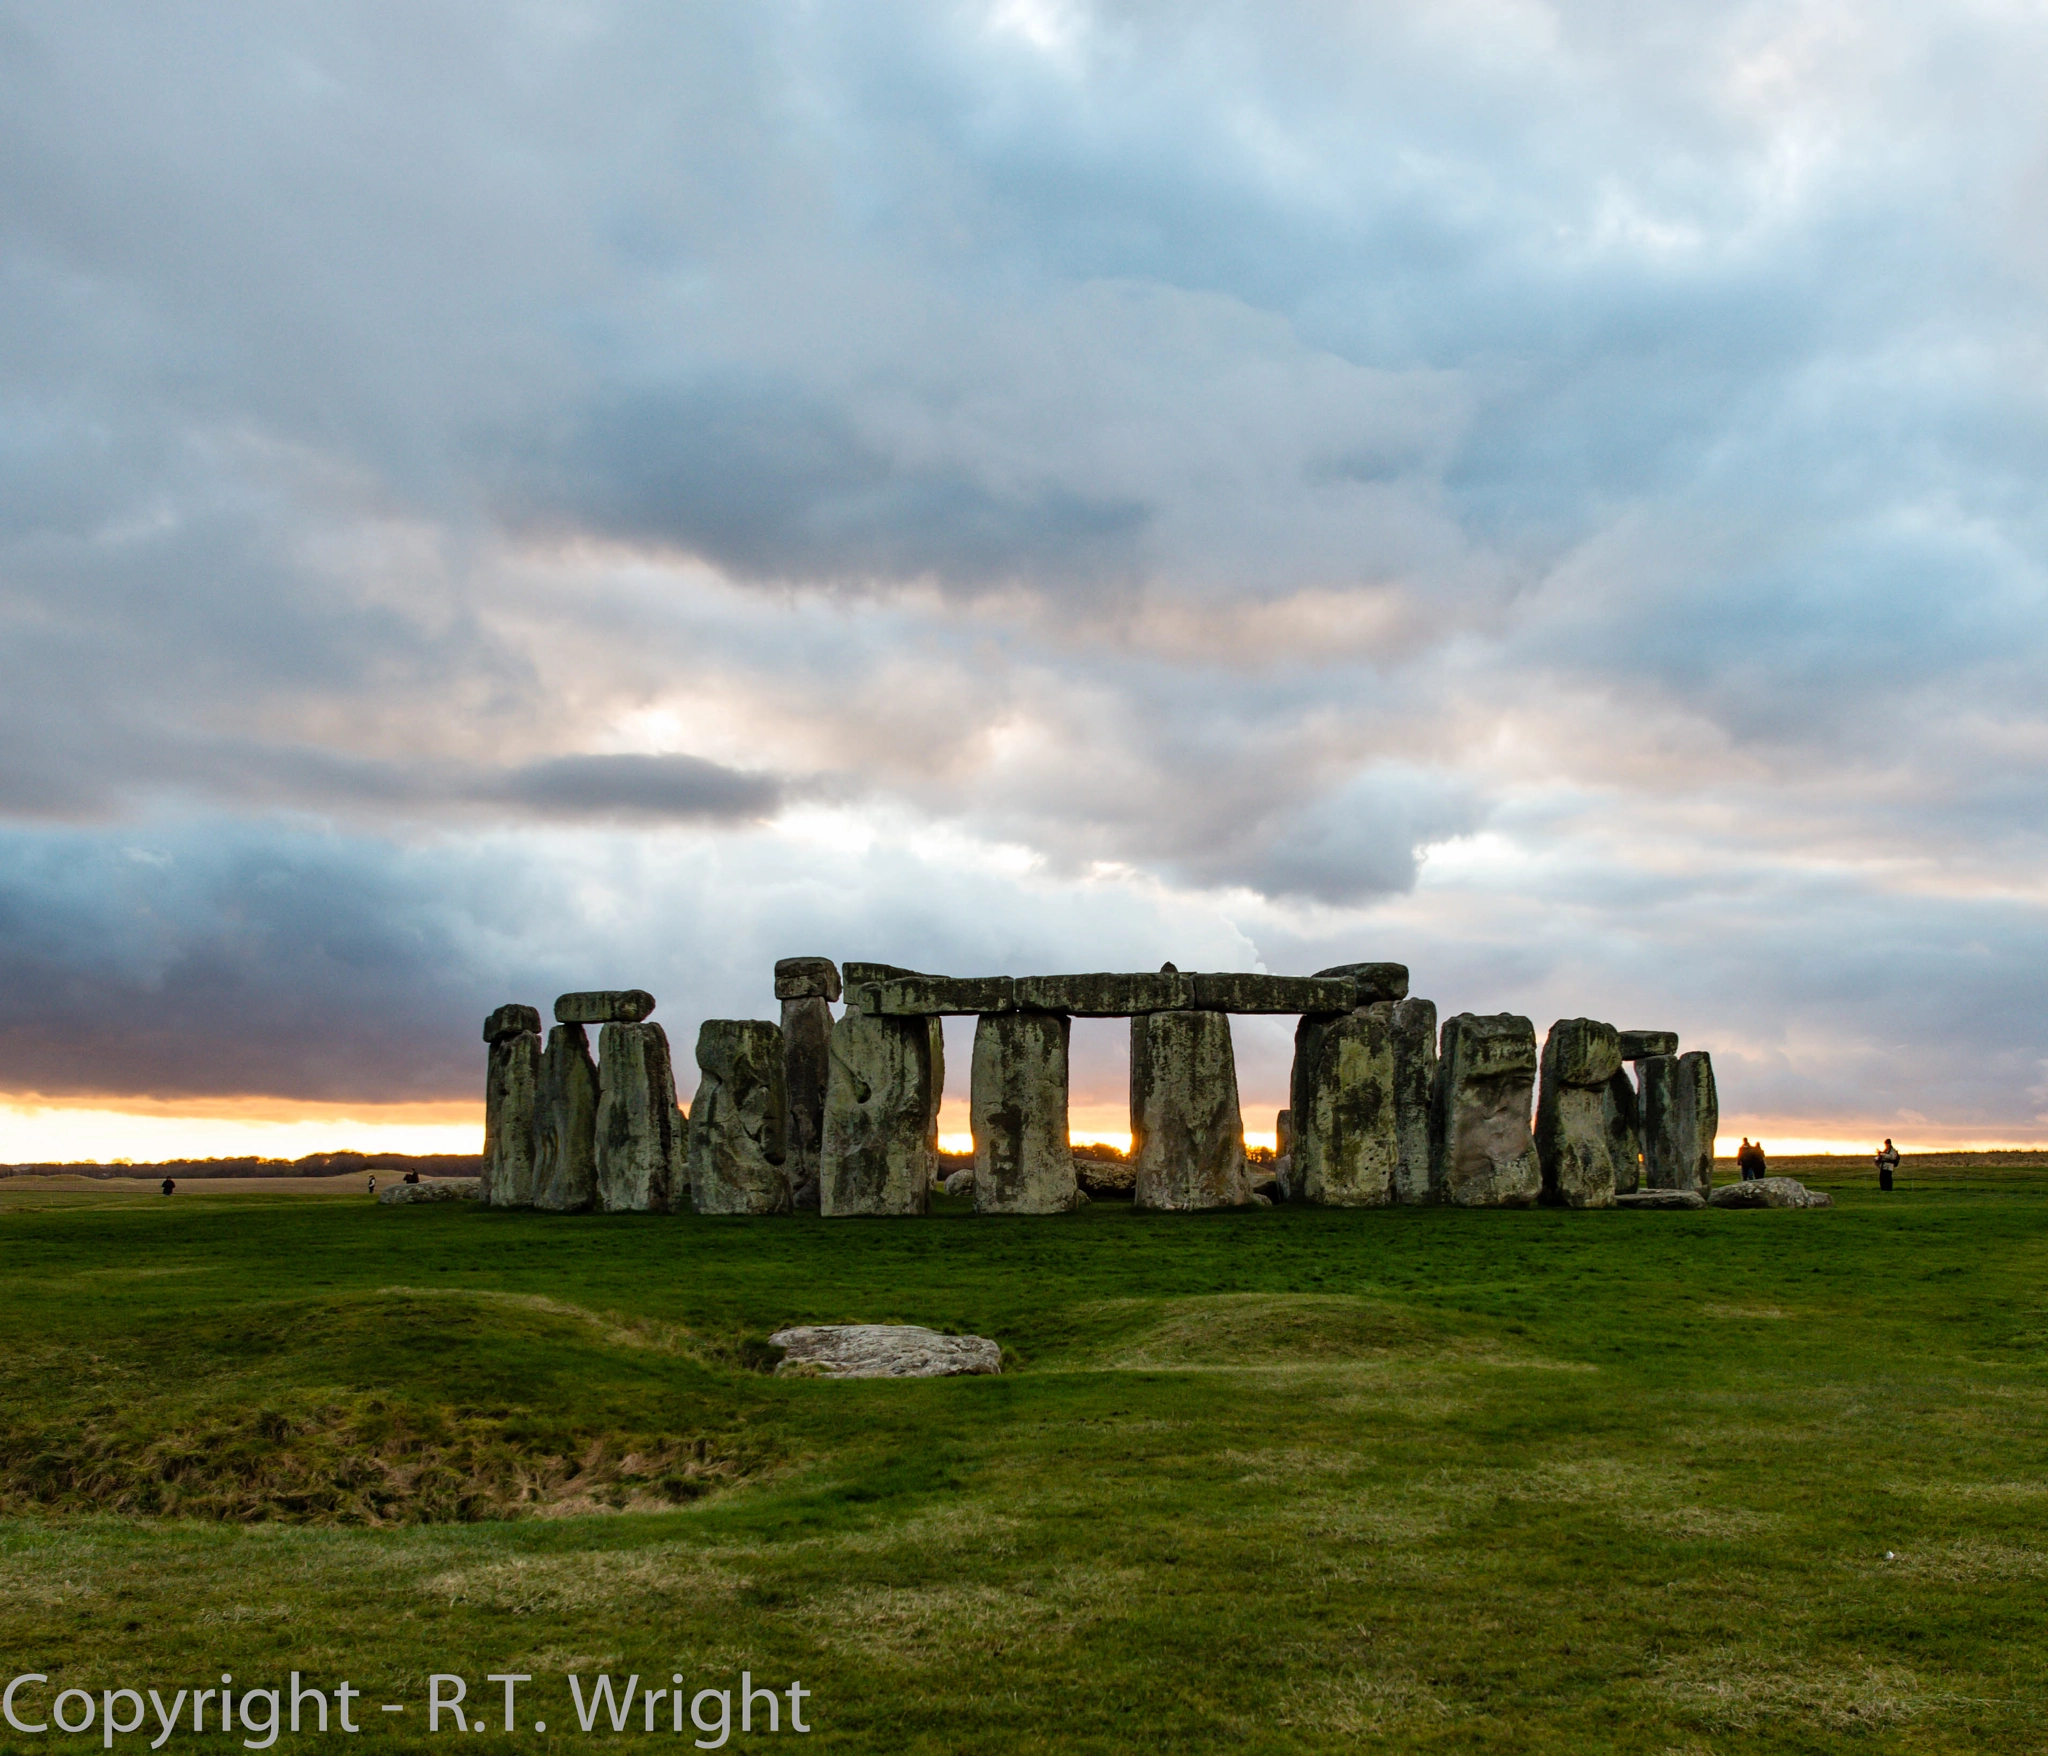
column 1361, row 1704
column 607, row 1327
column 1716, row 1524
column 914, row 1625
column 1733, row 1689
column 526, row 1585
column 1747, row 1313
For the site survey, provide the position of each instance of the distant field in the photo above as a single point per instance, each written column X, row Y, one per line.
column 1408, row 1480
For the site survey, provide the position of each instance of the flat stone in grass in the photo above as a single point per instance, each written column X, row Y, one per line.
column 883, row 1350
column 429, row 1189
column 1662, row 1200
column 1770, row 1192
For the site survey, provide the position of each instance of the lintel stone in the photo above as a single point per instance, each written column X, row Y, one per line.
column 605, row 1006
column 1107, row 995
column 942, row 996
column 1376, row 981
column 1248, row 991
column 1640, row 1045
column 511, row 1021
column 806, row 978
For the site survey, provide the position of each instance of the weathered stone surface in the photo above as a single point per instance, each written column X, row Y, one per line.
column 1022, row 1160
column 806, row 1061
column 641, row 1166
column 1485, row 1155
column 1187, row 1134
column 1662, row 1199
column 1699, row 1117
column 806, row 978
column 512, row 1020
column 862, row 975
column 736, row 1119
column 511, row 1082
column 1346, row 1138
column 1248, row 991
column 1106, row 1179
column 1621, row 1123
column 1107, row 994
column 1640, row 1045
column 1571, row 1121
column 1374, row 981
column 877, row 1151
column 430, row 1189
column 1412, row 1024
column 1283, row 1179
column 1770, row 1192
column 1680, row 1113
column 1587, row 1052
column 604, row 1006
column 1283, row 1133
column 936, row 996
column 959, row 1183
column 883, row 1350
column 565, row 1124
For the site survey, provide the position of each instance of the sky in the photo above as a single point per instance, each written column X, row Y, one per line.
column 504, row 498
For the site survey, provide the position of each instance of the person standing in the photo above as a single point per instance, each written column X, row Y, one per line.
column 1760, row 1164
column 1887, row 1162
column 170, row 1187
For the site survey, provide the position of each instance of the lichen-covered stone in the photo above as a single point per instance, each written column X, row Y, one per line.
column 736, row 1119
column 1372, row 981
column 1770, row 1192
column 1283, row 1133
column 429, row 1189
column 941, row 996
column 1412, row 1024
column 1249, row 991
column 1486, row 1156
column 1571, row 1125
column 1699, row 1117
column 1679, row 1111
column 1107, row 994
column 958, row 1183
column 882, row 1350
column 806, row 978
column 604, row 1006
column 806, row 1062
column 565, row 1124
column 641, row 1165
column 1187, row 1134
column 1656, row 1200
column 1621, row 1123
column 1023, row 1162
column 1346, row 1137
column 877, row 1149
column 511, row 1083
column 1640, row 1045
column 513, row 1020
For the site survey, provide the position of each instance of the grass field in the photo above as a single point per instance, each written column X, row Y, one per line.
column 1409, row 1480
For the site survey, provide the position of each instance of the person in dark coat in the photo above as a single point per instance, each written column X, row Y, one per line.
column 170, row 1188
column 1887, row 1162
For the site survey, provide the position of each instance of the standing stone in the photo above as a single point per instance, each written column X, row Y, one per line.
column 878, row 1142
column 641, row 1166
column 1346, row 1138
column 1658, row 1100
column 565, row 1124
column 511, row 1080
column 1621, row 1121
column 1699, row 1118
column 1187, row 1133
column 1283, row 1133
column 1023, row 1160
column 736, row 1119
column 1413, row 1025
column 1580, row 1057
column 1485, row 1077
column 806, row 986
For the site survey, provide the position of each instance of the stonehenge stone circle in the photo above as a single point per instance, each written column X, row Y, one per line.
column 1252, row 992
column 1580, row 1057
column 1485, row 1155
column 1023, row 1161
column 806, row 978
column 878, row 1145
column 604, row 1006
column 1640, row 1045
column 640, row 1157
column 565, row 1124
column 1373, row 981
column 511, row 1083
column 1347, row 1144
column 511, row 1020
column 1187, row 1134
column 1412, row 1023
column 736, row 1146
column 1105, row 995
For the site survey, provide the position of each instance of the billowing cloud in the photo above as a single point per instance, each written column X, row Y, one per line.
column 1548, row 491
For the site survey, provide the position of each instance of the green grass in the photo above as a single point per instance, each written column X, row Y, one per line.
column 1414, row 1480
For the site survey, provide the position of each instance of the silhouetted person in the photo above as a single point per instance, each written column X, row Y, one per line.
column 170, row 1188
column 1887, row 1162
column 1749, row 1159
column 373, row 1185
column 412, row 1176
column 1756, row 1157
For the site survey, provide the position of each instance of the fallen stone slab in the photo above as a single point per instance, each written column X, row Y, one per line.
column 1248, row 991
column 1374, row 981
column 511, row 1021
column 1106, row 1178
column 806, row 978
column 604, row 1006
column 941, row 996
column 1662, row 1200
column 882, row 1350
column 959, row 1183
column 1770, row 1192
column 1640, row 1045
column 430, row 1189
column 1106, row 994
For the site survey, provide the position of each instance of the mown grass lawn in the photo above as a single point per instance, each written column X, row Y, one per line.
column 1292, row 1480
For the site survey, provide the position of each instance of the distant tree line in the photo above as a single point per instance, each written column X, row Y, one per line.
column 314, row 1164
